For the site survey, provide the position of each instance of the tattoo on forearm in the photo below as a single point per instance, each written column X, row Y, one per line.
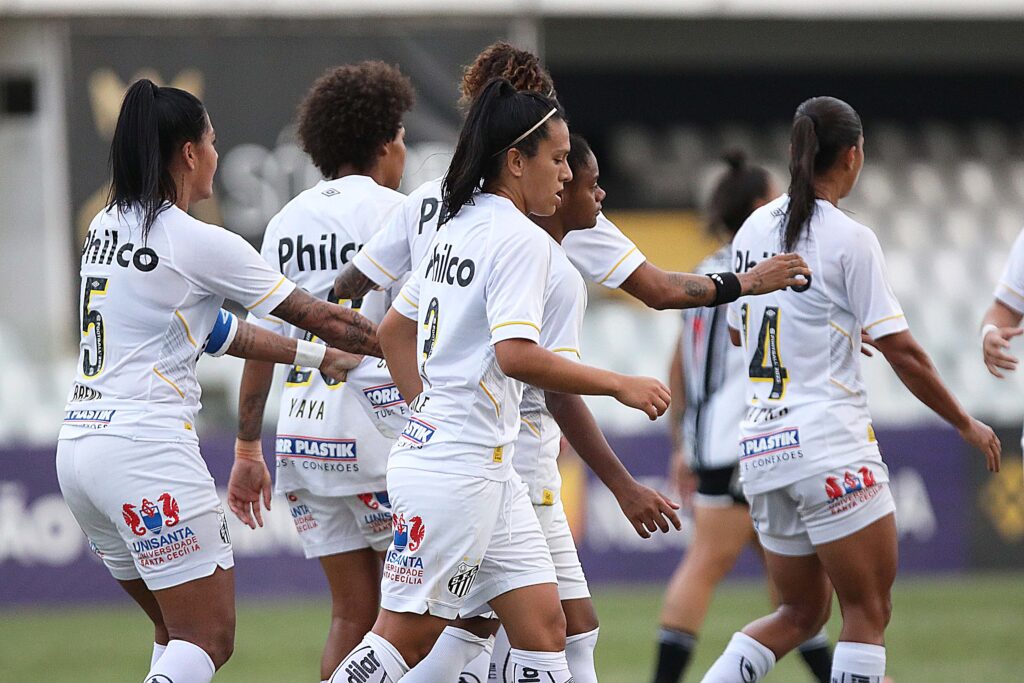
column 245, row 337
column 339, row 327
column 698, row 289
column 351, row 283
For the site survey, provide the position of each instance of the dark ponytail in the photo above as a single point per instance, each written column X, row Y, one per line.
column 497, row 118
column 735, row 194
column 153, row 124
column 823, row 127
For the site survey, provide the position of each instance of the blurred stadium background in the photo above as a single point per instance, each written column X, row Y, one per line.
column 661, row 88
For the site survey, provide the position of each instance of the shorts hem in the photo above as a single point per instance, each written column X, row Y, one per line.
column 397, row 603
column 575, row 592
column 718, row 501
column 824, row 537
column 126, row 574
column 348, row 545
column 195, row 573
column 505, row 583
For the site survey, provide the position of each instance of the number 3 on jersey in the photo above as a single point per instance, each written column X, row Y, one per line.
column 765, row 364
column 92, row 321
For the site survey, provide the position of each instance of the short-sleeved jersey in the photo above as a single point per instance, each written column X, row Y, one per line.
column 603, row 254
column 808, row 408
column 565, row 302
column 1010, row 289
column 326, row 443
column 482, row 282
column 715, row 379
column 148, row 306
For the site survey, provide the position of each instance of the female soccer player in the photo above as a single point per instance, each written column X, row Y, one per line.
column 1002, row 320
column 460, row 342
column 809, row 462
column 708, row 381
column 128, row 459
column 330, row 458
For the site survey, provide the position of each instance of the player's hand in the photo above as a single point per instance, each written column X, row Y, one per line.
column 644, row 393
column 865, row 342
column 995, row 347
column 337, row 363
column 682, row 478
column 778, row 272
column 647, row 510
column 981, row 436
column 249, row 482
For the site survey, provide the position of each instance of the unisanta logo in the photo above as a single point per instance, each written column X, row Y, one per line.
column 850, row 483
column 763, row 444
column 417, row 431
column 152, row 518
column 383, row 396
column 408, row 535
column 375, row 501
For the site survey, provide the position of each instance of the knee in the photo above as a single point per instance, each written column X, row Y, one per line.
column 216, row 639
column 354, row 617
column 547, row 634
column 874, row 611
column 807, row 617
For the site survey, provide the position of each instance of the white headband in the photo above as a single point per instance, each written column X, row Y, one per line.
column 527, row 134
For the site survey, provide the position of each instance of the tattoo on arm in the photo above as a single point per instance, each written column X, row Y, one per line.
column 351, row 283
column 340, row 327
column 697, row 289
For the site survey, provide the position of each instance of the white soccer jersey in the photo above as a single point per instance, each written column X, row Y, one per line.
column 808, row 408
column 148, row 307
column 326, row 443
column 603, row 254
column 565, row 302
column 482, row 282
column 1010, row 289
column 715, row 379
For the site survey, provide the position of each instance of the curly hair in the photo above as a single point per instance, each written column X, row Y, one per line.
column 502, row 60
column 351, row 111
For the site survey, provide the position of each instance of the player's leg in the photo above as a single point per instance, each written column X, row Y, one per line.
column 144, row 598
column 462, row 653
column 721, row 530
column 200, row 620
column 354, row 581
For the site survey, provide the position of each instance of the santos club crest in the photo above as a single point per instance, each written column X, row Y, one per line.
column 149, row 517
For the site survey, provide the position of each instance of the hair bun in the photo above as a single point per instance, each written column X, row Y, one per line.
column 736, row 158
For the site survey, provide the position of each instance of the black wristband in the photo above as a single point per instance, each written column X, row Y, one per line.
column 727, row 288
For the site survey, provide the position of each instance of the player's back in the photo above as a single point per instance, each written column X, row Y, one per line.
column 801, row 347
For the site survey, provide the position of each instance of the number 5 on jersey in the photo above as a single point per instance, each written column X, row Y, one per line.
column 92, row 321
column 766, row 364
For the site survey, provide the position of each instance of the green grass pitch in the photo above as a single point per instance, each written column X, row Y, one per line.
column 963, row 629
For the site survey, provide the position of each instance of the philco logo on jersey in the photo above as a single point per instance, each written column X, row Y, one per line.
column 383, row 396
column 769, row 449
column 320, row 256
column 444, row 268
column 103, row 250
column 319, row 449
column 417, row 432
column 89, row 419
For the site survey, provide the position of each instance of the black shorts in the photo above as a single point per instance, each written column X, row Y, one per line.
column 720, row 486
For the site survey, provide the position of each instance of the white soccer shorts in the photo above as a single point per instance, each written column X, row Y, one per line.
column 459, row 542
column 331, row 525
column 149, row 508
column 572, row 584
column 823, row 508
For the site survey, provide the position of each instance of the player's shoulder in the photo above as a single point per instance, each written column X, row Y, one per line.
column 839, row 227
column 431, row 188
column 182, row 227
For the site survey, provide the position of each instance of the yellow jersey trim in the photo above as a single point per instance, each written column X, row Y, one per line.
column 188, row 332
column 532, row 427
column 842, row 332
column 879, row 322
column 497, row 408
column 411, row 302
column 616, row 266
column 173, row 385
column 567, row 349
column 515, row 322
column 379, row 266
column 267, row 295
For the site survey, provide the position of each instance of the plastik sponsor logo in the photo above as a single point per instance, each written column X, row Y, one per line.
column 89, row 419
column 383, row 396
column 417, row 431
column 773, row 442
column 289, row 446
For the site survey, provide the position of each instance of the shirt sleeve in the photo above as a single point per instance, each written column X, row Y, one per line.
column 387, row 256
column 516, row 283
column 220, row 262
column 1010, row 289
column 871, row 297
column 603, row 254
column 563, row 318
column 223, row 334
column 407, row 302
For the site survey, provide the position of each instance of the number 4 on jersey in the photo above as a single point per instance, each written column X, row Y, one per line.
column 765, row 364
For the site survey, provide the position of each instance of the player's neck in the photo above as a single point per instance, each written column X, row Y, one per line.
column 551, row 225
column 346, row 170
column 828, row 188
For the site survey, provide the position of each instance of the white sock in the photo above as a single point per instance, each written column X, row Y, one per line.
column 499, row 657
column 182, row 662
column 858, row 663
column 579, row 653
column 374, row 657
column 744, row 661
column 454, row 649
column 478, row 670
column 529, row 666
column 158, row 650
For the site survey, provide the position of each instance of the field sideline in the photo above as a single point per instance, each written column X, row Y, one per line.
column 964, row 629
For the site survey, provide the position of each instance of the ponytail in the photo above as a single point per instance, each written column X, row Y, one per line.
column 823, row 127
column 735, row 194
column 500, row 119
column 153, row 124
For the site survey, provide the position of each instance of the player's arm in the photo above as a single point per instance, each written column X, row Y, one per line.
column 352, row 283
column 254, row 343
column 661, row 289
column 646, row 509
column 398, row 341
column 915, row 369
column 338, row 326
column 1000, row 324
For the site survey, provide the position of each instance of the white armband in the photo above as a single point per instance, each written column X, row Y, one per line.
column 309, row 354
column 989, row 327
